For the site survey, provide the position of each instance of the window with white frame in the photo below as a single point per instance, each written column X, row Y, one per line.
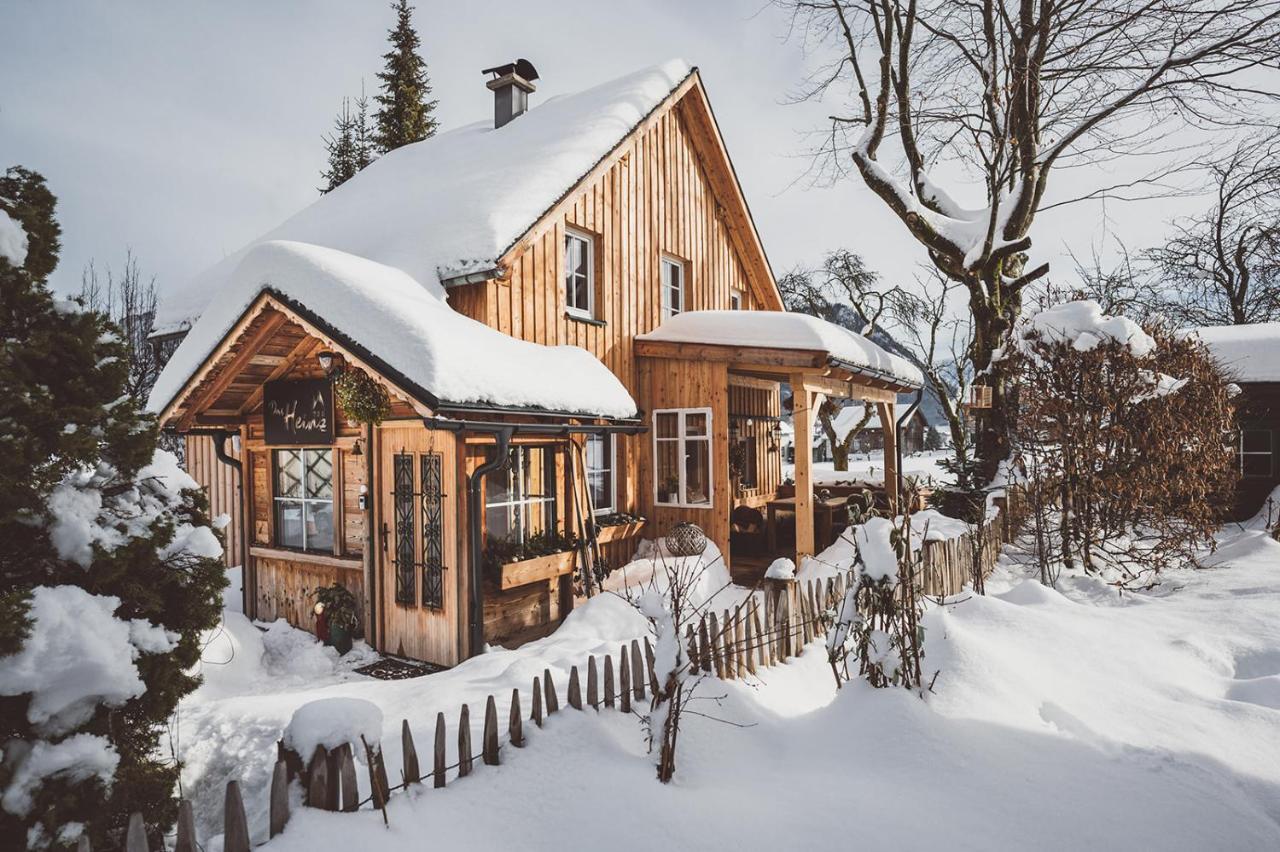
column 304, row 499
column 579, row 274
column 672, row 287
column 1255, row 451
column 735, row 300
column 520, row 502
column 602, row 457
column 682, row 457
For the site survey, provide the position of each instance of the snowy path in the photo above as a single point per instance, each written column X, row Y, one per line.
column 1059, row 721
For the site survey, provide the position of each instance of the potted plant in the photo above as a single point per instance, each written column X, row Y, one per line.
column 340, row 612
column 670, row 490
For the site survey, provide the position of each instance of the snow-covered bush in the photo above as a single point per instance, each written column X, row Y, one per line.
column 877, row 622
column 1125, row 431
column 109, row 570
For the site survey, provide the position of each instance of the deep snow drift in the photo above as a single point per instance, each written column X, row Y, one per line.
column 1058, row 720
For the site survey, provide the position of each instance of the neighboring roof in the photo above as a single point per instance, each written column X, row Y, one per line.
column 783, row 330
column 405, row 326
column 454, row 204
column 1250, row 353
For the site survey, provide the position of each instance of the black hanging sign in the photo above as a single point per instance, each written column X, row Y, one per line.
column 298, row 412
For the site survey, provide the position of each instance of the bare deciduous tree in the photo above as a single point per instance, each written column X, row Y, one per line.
column 130, row 301
column 1012, row 91
column 1222, row 267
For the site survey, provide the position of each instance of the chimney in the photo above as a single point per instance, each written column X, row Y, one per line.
column 511, row 85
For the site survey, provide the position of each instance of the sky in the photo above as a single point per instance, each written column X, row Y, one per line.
column 182, row 131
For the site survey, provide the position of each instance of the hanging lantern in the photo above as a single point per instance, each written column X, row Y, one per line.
column 686, row 539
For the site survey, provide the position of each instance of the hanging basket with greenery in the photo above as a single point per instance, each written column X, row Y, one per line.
column 363, row 399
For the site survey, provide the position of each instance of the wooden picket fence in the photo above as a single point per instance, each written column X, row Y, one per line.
column 948, row 564
column 763, row 631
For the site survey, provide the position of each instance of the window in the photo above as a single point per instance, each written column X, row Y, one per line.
column 1255, row 452
column 601, row 462
column 520, row 502
column 672, row 287
column 682, row 453
column 579, row 274
column 735, row 300
column 304, row 499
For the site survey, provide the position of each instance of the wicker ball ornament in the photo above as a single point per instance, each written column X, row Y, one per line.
column 686, row 539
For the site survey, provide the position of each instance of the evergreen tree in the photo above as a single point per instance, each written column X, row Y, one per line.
column 405, row 113
column 365, row 152
column 109, row 571
column 342, row 150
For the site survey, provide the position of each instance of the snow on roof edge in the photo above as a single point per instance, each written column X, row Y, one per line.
column 1250, row 353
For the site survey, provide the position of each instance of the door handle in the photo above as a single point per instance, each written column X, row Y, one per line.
column 385, row 534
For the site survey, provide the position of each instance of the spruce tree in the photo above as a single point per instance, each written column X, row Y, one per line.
column 405, row 113
column 109, row 571
column 365, row 152
column 341, row 147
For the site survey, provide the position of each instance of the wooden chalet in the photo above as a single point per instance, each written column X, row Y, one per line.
column 577, row 327
column 1251, row 356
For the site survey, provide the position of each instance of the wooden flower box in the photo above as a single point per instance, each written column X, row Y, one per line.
column 618, row 532
column 528, row 571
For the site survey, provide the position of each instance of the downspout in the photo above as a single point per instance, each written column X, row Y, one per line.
column 220, row 437
column 370, row 540
column 475, row 508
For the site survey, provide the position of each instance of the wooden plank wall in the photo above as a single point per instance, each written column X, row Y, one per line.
column 221, row 484
column 286, row 588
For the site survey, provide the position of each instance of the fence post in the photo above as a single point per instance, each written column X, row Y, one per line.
column 650, row 661
column 491, row 732
column 438, row 761
column 704, row 647
column 235, row 827
column 515, row 725
column 762, row 642
column 637, row 671
column 624, row 681
column 593, row 683
column 536, row 703
column 83, row 845
column 549, row 688
column 350, row 789
column 409, row 761
column 318, row 779
column 575, row 689
column 186, row 839
column 279, row 806
column 464, row 742
column 691, row 642
column 717, row 663
column 608, row 681
column 749, row 640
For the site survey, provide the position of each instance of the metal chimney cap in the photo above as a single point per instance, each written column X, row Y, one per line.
column 521, row 68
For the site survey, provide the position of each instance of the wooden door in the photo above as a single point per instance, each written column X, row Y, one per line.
column 418, row 548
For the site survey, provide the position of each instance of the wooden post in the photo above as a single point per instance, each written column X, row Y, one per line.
column 186, row 839
column 692, row 643
column 136, row 837
column 593, row 684
column 717, row 663
column 464, row 742
column 649, row 661
column 608, row 681
column 549, row 688
column 624, row 681
column 575, row 689
column 318, row 779
column 409, row 761
column 279, row 807
column 889, row 428
column 762, row 644
column 637, row 671
column 730, row 648
column 739, row 650
column 350, row 789
column 704, row 646
column 438, row 762
column 83, row 845
column 537, row 703
column 802, row 421
column 491, row 732
column 515, row 724
column 749, row 637
column 235, row 826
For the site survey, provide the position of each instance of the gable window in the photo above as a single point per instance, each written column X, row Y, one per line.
column 602, row 456
column 735, row 300
column 520, row 502
column 304, row 499
column 1255, row 449
column 682, row 457
column 672, row 287
column 579, row 274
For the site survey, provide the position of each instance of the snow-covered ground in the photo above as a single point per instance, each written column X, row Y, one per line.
column 1060, row 719
column 869, row 467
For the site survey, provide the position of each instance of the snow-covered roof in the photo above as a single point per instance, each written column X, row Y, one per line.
column 784, row 330
column 1251, row 353
column 408, row 328
column 453, row 204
